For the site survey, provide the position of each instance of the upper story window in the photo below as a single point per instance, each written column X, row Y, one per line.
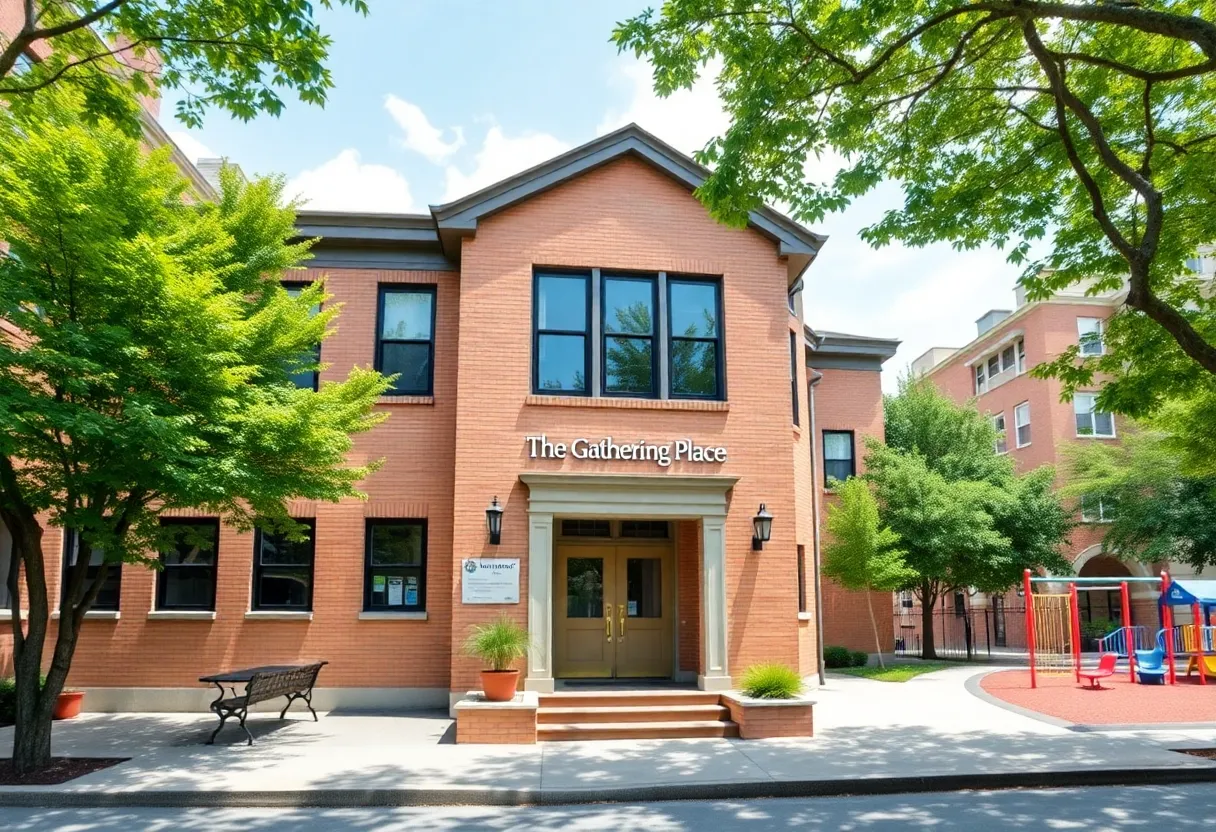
column 642, row 336
column 186, row 580
column 794, row 375
column 405, row 343
column 838, row 457
column 1090, row 420
column 1021, row 424
column 1001, row 446
column 282, row 570
column 563, row 324
column 306, row 378
column 629, row 334
column 107, row 596
column 1097, row 509
column 1089, row 336
column 1009, row 359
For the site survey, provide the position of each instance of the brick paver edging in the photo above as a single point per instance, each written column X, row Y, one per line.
column 45, row 797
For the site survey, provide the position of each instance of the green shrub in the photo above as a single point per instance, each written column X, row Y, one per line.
column 860, row 658
column 1097, row 628
column 498, row 643
column 837, row 657
column 771, row 681
column 8, row 701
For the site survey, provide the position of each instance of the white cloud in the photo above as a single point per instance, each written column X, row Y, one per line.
column 686, row 119
column 345, row 183
column 420, row 135
column 193, row 148
column 501, row 156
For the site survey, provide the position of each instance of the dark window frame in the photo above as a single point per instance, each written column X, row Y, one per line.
column 288, row 285
column 653, row 337
column 718, row 340
column 537, row 332
column 215, row 564
column 69, row 541
column 382, row 291
column 852, row 454
column 371, row 523
column 255, row 595
column 794, row 377
column 801, row 578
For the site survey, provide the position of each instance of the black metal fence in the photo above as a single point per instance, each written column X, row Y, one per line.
column 996, row 631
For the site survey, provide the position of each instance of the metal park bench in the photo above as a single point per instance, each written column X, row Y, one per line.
column 261, row 685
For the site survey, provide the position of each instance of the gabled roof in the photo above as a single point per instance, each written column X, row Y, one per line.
column 1187, row 592
column 459, row 218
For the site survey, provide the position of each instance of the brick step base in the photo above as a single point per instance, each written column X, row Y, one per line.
column 564, row 732
column 626, row 699
column 632, row 713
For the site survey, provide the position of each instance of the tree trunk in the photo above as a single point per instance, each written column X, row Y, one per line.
column 32, row 728
column 928, row 599
column 874, row 624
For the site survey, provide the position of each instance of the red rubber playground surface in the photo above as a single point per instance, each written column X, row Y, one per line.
column 1118, row 703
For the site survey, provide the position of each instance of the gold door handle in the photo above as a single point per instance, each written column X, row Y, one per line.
column 622, row 636
column 608, row 621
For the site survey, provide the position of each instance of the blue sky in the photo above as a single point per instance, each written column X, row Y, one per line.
column 436, row 98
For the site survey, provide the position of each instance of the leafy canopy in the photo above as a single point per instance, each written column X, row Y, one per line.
column 148, row 346
column 1085, row 130
column 237, row 55
column 862, row 553
column 963, row 518
column 1155, row 510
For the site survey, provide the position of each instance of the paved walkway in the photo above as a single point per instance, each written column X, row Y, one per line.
column 870, row 736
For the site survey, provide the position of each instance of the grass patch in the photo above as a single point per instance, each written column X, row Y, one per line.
column 894, row 672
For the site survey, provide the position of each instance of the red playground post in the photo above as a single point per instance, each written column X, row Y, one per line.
column 1128, row 633
column 1030, row 625
column 1167, row 624
column 1075, row 635
column 1199, row 656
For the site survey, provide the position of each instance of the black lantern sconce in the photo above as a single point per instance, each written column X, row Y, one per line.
column 762, row 528
column 494, row 522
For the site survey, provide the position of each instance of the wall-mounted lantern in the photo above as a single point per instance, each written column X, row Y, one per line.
column 494, row 522
column 762, row 528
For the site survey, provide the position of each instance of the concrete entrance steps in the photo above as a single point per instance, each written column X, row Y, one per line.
column 632, row 715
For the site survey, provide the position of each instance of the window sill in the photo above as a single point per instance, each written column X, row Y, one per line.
column 1096, row 436
column 371, row 615
column 1019, row 447
column 797, row 431
column 420, row 400
column 805, row 616
column 7, row 615
column 278, row 615
column 181, row 615
column 100, row 615
column 702, row 405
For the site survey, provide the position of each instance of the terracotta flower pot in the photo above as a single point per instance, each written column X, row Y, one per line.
column 499, row 685
column 67, row 706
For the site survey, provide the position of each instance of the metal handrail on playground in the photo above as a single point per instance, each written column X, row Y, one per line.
column 1117, row 641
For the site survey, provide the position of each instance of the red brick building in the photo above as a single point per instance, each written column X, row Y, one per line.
column 584, row 346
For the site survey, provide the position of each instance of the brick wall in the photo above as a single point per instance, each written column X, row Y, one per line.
column 496, row 726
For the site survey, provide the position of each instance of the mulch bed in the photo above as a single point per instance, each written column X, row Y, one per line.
column 1205, row 753
column 61, row 770
column 1119, row 702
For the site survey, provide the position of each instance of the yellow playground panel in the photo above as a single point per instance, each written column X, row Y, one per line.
column 1053, row 634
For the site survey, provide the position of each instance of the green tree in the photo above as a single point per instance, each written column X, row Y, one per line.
column 237, row 55
column 963, row 518
column 862, row 553
column 1084, row 128
column 145, row 366
column 1153, row 509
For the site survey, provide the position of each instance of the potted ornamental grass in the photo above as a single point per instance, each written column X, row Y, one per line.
column 499, row 644
column 771, row 680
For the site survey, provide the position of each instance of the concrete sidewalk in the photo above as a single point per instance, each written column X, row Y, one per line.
column 928, row 734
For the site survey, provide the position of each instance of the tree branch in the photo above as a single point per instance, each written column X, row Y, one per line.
column 28, row 34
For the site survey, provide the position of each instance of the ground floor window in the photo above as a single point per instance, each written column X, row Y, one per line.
column 395, row 566
column 107, row 596
column 283, row 569
column 186, row 580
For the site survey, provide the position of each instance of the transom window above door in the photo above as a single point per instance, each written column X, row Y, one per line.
column 602, row 333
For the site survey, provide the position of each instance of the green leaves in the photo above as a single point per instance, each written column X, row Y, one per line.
column 237, row 55
column 862, row 554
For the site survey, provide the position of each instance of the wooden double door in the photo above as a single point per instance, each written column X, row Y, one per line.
column 614, row 611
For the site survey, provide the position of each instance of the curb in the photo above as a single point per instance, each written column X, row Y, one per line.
column 345, row 798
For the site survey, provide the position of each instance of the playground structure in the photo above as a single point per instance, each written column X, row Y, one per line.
column 1053, row 629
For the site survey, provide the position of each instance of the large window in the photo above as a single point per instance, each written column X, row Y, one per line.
column 1001, row 445
column 283, row 569
column 1021, row 424
column 561, row 352
column 837, row 456
column 694, row 309
column 306, row 378
column 1096, row 509
column 395, row 566
column 629, row 336
column 794, row 375
column 107, row 596
column 1008, row 358
column 1090, row 420
column 1089, row 336
column 186, row 580
column 406, row 343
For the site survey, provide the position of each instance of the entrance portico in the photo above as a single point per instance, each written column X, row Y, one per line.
column 658, row 497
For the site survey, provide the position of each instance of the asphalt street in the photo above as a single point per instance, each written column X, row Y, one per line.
column 1116, row 808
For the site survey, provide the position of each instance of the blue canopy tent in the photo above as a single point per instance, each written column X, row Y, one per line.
column 1200, row 598
column 1186, row 593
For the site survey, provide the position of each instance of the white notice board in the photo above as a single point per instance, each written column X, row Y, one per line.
column 489, row 581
